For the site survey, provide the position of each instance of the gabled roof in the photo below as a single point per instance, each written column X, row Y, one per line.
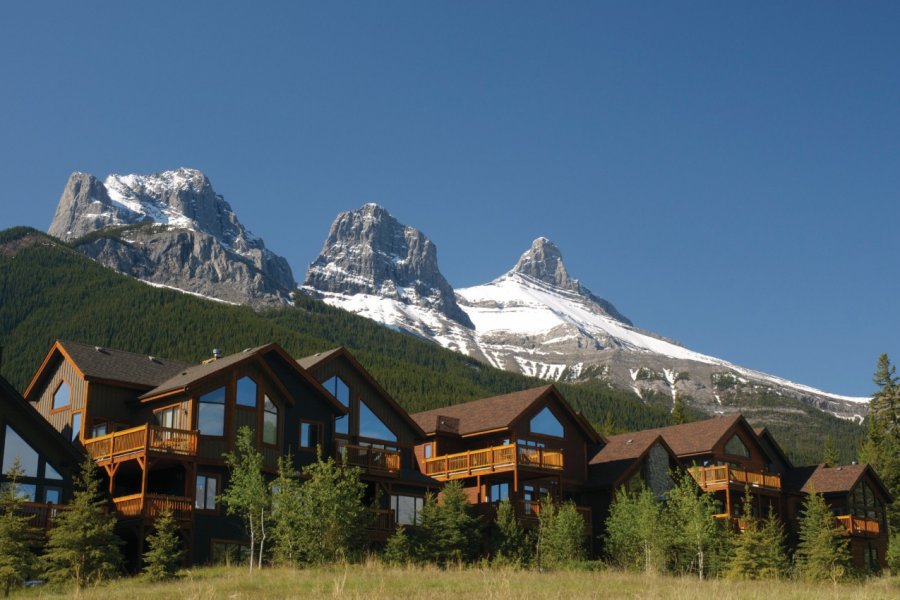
column 195, row 376
column 489, row 414
column 310, row 362
column 621, row 455
column 96, row 363
column 698, row 437
column 829, row 480
column 764, row 435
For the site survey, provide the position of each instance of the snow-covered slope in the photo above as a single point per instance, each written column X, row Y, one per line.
column 539, row 321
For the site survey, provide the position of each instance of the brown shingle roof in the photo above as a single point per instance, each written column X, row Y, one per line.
column 620, row 455
column 117, row 365
column 486, row 414
column 822, row 479
column 308, row 362
column 192, row 374
column 694, row 438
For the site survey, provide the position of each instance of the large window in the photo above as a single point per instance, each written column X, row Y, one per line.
column 270, row 422
column 337, row 388
column 170, row 417
column 499, row 492
column 546, row 423
column 211, row 413
column 62, row 396
column 342, row 424
column 246, row 392
column 76, row 425
column 406, row 509
column 736, row 447
column 207, row 487
column 15, row 447
column 370, row 426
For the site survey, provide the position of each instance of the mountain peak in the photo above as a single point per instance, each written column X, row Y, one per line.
column 543, row 261
column 369, row 252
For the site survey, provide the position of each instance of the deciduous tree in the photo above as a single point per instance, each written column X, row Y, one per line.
column 636, row 536
column 247, row 495
column 560, row 535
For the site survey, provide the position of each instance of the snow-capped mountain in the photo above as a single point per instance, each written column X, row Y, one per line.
column 171, row 229
column 535, row 319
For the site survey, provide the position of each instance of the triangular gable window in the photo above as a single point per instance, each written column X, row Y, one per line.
column 17, row 448
column 546, row 423
column 370, row 426
column 340, row 390
column 736, row 447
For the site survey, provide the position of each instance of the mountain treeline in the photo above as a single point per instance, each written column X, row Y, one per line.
column 49, row 291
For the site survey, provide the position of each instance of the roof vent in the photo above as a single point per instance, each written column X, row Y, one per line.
column 98, row 348
column 217, row 354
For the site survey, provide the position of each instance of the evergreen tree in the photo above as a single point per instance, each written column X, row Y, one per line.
column 678, row 410
column 773, row 560
column 830, row 457
column 695, row 533
column 509, row 544
column 286, row 516
column 247, row 495
column 164, row 555
column 560, row 535
column 881, row 448
column 331, row 514
column 17, row 561
column 759, row 550
column 636, row 536
column 822, row 553
column 399, row 549
column 83, row 547
column 448, row 532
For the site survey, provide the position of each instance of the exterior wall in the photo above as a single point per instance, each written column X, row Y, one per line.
column 61, row 419
column 756, row 462
column 111, row 404
column 574, row 444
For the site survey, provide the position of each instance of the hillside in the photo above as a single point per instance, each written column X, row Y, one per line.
column 50, row 291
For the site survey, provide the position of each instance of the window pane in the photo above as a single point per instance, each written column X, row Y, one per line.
column 736, row 447
column 62, row 395
column 547, row 424
column 76, row 425
column 270, row 428
column 309, row 435
column 52, row 495
column 246, row 392
column 217, row 396
column 211, row 483
column 201, row 492
column 50, row 472
column 371, row 426
column 212, row 419
column 427, row 450
column 337, row 388
column 341, row 424
column 99, row 430
column 15, row 447
column 27, row 491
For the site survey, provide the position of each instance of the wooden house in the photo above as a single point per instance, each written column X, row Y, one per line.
column 47, row 460
column 857, row 498
column 159, row 429
column 376, row 435
column 522, row 446
column 627, row 461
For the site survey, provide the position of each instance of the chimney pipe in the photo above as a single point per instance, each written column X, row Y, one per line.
column 217, row 354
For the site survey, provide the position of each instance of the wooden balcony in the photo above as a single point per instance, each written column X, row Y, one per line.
column 383, row 519
column 492, row 460
column 374, row 460
column 141, row 440
column 859, row 526
column 150, row 506
column 42, row 514
column 724, row 476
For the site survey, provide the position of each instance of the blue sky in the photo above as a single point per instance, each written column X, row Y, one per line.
column 727, row 174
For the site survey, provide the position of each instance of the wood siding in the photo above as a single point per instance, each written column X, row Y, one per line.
column 61, row 419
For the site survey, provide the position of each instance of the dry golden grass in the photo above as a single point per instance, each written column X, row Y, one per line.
column 376, row 581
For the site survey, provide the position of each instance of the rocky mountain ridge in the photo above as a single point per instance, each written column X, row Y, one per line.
column 538, row 320
column 171, row 229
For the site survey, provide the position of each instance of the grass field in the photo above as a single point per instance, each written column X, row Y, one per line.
column 377, row 581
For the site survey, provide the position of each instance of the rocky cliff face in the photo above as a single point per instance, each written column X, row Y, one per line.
column 369, row 252
column 171, row 229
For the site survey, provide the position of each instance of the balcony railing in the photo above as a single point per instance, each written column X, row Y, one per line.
column 495, row 458
column 860, row 526
column 381, row 460
column 721, row 476
column 42, row 514
column 142, row 439
column 383, row 519
column 152, row 505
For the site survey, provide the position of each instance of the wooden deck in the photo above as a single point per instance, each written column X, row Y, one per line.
column 725, row 476
column 42, row 514
column 150, row 506
column 859, row 526
column 492, row 460
column 375, row 460
column 143, row 439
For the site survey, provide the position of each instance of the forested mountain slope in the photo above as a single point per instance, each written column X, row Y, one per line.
column 49, row 291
